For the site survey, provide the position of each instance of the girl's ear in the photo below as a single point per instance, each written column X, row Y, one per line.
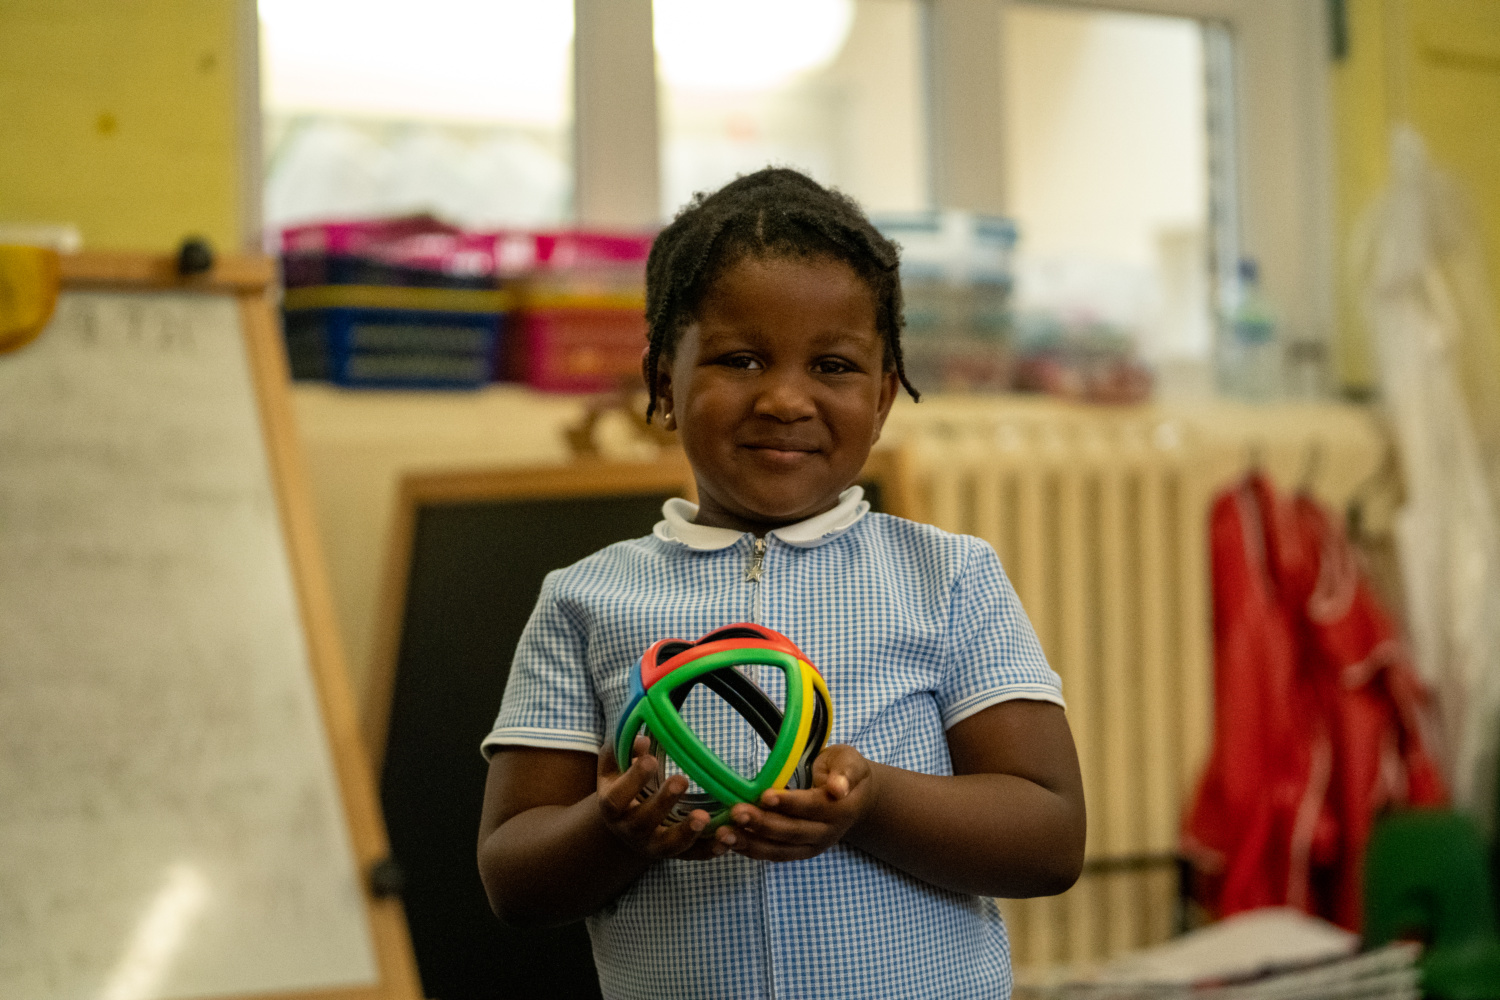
column 665, row 399
column 663, row 388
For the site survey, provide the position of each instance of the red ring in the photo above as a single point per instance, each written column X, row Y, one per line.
column 652, row 671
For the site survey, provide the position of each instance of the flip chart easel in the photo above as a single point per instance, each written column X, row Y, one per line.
column 185, row 806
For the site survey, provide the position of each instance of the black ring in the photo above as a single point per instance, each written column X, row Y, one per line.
column 750, row 700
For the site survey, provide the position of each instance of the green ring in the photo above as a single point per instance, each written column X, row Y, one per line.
column 684, row 745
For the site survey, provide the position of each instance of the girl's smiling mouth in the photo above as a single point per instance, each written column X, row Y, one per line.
column 782, row 452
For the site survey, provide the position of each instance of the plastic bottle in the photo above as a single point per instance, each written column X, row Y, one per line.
column 1250, row 361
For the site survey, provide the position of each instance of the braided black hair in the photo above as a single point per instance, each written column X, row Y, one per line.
column 772, row 213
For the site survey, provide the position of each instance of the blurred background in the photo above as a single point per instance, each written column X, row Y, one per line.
column 1171, row 268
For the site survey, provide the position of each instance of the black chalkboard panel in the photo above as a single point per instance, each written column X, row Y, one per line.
column 468, row 555
column 474, row 570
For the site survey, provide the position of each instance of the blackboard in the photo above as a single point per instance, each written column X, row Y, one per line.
column 468, row 556
column 185, row 810
column 466, row 561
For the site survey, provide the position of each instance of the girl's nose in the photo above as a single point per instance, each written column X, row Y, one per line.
column 784, row 397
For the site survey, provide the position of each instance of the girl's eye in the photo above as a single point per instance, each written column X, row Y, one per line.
column 745, row 362
column 832, row 366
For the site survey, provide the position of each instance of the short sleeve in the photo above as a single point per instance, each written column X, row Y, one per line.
column 549, row 698
column 993, row 652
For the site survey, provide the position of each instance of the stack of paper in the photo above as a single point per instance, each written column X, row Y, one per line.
column 1273, row 954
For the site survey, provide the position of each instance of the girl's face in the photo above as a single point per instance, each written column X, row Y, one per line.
column 778, row 390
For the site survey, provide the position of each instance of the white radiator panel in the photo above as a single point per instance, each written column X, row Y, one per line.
column 1100, row 519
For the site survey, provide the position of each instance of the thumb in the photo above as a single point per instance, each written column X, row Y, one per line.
column 829, row 773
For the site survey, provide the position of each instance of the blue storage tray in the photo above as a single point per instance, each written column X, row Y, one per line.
column 393, row 348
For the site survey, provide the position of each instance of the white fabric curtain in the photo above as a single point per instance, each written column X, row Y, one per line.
column 1427, row 301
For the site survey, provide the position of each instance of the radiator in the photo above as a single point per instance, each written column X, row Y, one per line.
column 1100, row 519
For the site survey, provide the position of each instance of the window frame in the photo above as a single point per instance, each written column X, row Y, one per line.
column 1283, row 149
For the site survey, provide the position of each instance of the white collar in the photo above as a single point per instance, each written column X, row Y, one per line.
column 678, row 525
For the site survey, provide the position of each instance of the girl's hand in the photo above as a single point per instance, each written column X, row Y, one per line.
column 789, row 825
column 639, row 825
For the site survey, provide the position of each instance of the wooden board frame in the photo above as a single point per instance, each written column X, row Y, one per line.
column 583, row 478
column 243, row 275
column 249, row 279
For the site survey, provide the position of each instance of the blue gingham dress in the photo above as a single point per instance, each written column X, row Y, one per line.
column 913, row 628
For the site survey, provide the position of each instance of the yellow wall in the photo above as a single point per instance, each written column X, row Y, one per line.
column 1435, row 64
column 121, row 116
column 1360, row 119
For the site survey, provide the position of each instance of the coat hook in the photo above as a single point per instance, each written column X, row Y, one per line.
column 1255, row 457
column 1312, row 464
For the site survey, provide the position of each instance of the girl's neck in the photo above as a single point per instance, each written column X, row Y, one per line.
column 713, row 516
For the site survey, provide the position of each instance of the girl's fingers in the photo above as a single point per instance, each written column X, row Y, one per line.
column 704, row 849
column 670, row 841
column 694, row 825
column 762, row 849
column 619, row 794
column 807, row 803
column 609, row 766
column 648, row 815
column 777, row 827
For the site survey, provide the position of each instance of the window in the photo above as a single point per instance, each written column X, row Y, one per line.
column 461, row 108
column 834, row 87
column 1109, row 176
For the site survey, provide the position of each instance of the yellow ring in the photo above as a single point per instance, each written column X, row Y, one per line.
column 804, row 724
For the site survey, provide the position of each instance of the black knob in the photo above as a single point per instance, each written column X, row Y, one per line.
column 387, row 879
column 195, row 256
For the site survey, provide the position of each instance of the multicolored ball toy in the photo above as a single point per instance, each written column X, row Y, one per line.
column 671, row 668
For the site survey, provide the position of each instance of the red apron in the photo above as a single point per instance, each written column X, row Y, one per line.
column 1318, row 719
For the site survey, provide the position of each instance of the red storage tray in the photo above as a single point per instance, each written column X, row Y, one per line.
column 582, row 347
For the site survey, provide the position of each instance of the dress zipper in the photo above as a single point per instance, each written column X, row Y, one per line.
column 753, row 574
column 757, row 558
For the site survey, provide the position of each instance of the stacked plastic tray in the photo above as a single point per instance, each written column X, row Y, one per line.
column 393, row 337
column 956, row 277
column 581, row 316
column 413, row 303
column 402, row 303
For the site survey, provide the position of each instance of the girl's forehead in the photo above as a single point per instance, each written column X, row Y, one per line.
column 785, row 258
column 791, row 282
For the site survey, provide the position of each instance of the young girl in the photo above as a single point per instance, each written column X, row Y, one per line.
column 775, row 317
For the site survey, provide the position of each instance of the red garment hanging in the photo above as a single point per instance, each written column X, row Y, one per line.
column 1318, row 718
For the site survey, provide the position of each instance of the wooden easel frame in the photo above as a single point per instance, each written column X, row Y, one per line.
column 250, row 280
column 582, row 478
